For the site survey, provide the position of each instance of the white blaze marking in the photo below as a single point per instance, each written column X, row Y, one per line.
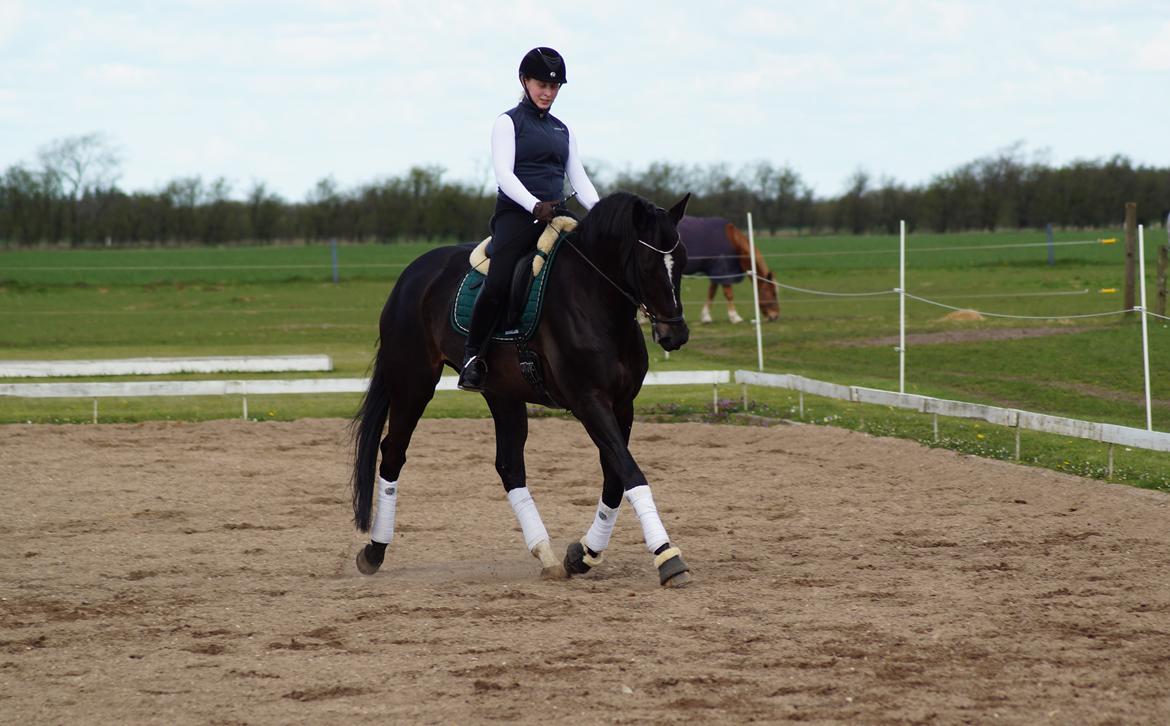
column 668, row 259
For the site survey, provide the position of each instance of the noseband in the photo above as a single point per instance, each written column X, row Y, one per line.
column 638, row 280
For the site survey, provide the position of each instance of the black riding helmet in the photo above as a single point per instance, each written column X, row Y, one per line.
column 543, row 64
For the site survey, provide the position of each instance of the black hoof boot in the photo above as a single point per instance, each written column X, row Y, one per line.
column 370, row 557
column 672, row 570
column 579, row 559
column 473, row 375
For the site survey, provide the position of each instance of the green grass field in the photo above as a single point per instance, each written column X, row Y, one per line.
column 112, row 303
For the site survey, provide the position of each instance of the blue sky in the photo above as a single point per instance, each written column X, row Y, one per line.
column 289, row 92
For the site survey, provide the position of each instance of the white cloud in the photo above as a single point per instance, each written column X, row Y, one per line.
column 124, row 75
column 770, row 22
column 11, row 19
column 1153, row 53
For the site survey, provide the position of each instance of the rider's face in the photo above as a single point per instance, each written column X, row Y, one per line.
column 542, row 93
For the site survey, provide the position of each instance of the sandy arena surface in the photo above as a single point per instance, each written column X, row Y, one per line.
column 203, row 573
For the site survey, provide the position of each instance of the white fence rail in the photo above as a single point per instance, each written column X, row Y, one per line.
column 1010, row 417
column 164, row 366
column 261, row 387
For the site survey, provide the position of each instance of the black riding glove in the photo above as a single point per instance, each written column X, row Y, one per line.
column 544, row 211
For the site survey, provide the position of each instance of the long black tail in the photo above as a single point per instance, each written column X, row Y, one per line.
column 367, row 426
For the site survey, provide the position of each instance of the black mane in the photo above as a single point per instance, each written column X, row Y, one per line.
column 612, row 218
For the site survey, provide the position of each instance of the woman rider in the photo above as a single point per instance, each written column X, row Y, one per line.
column 532, row 152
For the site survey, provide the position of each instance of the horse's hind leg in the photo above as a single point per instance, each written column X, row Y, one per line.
column 408, row 401
column 511, row 419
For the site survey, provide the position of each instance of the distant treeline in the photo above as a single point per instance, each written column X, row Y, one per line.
column 72, row 198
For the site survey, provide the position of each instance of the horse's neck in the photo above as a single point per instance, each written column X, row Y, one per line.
column 761, row 266
column 600, row 257
column 603, row 252
column 743, row 248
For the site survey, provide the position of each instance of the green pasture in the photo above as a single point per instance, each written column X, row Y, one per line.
column 113, row 303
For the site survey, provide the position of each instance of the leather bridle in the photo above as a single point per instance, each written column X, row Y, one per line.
column 629, row 266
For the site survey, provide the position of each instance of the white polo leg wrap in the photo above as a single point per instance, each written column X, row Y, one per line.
column 383, row 529
column 643, row 504
column 529, row 518
column 597, row 538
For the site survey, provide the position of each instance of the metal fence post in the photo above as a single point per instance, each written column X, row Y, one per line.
column 333, row 254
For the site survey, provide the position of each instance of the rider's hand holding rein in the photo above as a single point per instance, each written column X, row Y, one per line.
column 544, row 211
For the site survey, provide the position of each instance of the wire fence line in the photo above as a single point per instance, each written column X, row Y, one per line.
column 204, row 268
column 961, row 248
column 713, row 278
column 904, row 294
column 984, row 313
column 895, row 291
column 401, row 265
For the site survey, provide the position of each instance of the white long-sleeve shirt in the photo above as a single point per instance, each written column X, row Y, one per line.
column 504, row 163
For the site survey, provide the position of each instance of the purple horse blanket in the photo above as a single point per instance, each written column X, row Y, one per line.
column 709, row 252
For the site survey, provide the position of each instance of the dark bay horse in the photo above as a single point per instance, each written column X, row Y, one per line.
column 718, row 249
column 624, row 255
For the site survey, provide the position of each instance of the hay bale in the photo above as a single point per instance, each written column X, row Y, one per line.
column 963, row 315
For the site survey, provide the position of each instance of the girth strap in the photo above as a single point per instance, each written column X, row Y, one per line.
column 533, row 374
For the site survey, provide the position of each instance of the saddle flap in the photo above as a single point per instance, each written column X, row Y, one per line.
column 523, row 309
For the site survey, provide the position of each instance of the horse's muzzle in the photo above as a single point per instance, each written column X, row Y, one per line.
column 671, row 336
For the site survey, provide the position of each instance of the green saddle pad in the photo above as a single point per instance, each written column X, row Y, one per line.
column 508, row 331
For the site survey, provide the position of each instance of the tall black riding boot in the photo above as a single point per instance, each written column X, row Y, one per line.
column 473, row 372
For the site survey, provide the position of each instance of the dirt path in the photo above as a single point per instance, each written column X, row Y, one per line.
column 203, row 573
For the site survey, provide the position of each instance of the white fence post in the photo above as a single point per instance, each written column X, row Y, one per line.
column 1145, row 318
column 756, row 294
column 901, row 306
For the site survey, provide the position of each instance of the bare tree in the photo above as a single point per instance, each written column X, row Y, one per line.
column 77, row 164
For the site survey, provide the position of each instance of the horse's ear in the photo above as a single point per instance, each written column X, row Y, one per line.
column 643, row 212
column 677, row 211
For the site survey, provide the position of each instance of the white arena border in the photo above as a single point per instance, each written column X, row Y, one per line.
column 164, row 366
column 1013, row 418
column 262, row 387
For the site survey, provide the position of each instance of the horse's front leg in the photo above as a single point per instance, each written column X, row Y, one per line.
column 732, row 315
column 610, row 430
column 583, row 556
column 511, row 419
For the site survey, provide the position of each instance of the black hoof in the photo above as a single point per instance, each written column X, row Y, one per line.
column 368, row 561
column 575, row 560
column 674, row 572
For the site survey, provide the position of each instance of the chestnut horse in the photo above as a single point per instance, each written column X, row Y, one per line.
column 718, row 249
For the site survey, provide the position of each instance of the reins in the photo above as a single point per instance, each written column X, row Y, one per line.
column 637, row 279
